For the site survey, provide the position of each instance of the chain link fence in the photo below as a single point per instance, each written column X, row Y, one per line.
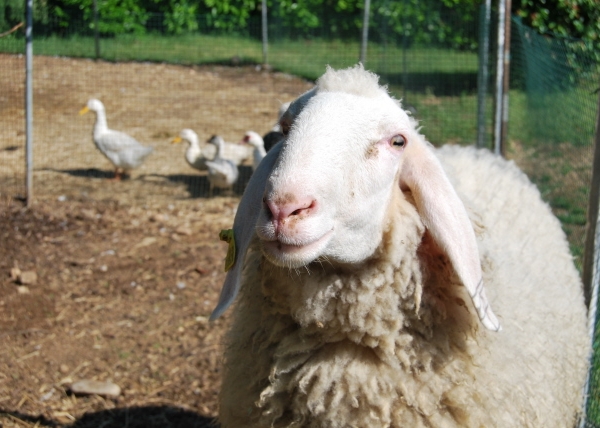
column 554, row 99
column 214, row 81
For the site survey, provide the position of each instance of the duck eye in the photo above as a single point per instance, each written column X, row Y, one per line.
column 398, row 141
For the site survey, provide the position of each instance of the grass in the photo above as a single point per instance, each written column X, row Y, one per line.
column 554, row 130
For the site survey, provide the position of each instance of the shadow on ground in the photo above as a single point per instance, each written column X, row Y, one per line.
column 128, row 417
column 197, row 185
column 85, row 172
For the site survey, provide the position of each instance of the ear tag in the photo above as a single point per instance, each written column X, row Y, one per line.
column 227, row 236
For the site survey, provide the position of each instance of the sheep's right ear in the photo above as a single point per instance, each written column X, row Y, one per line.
column 243, row 228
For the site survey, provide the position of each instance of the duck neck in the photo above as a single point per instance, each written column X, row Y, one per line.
column 193, row 150
column 100, row 125
column 219, row 145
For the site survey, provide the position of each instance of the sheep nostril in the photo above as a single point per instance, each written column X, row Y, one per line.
column 284, row 210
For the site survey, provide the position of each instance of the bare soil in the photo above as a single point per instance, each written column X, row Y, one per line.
column 127, row 272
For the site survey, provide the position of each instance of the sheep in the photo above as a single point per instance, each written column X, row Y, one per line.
column 358, row 260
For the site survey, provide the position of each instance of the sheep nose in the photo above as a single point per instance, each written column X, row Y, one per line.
column 290, row 207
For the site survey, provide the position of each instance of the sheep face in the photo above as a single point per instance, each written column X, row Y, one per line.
column 323, row 193
column 328, row 193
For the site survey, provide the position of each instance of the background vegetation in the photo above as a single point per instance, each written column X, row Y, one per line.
column 418, row 21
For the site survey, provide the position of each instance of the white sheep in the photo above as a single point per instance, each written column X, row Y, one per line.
column 365, row 253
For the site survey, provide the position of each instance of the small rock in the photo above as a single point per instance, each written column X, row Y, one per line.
column 88, row 214
column 148, row 240
column 157, row 217
column 23, row 289
column 47, row 395
column 182, row 230
column 64, row 369
column 89, row 387
column 14, row 273
column 28, row 277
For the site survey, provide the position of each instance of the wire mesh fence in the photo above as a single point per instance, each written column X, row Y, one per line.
column 213, row 80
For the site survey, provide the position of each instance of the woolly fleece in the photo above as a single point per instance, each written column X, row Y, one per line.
column 394, row 341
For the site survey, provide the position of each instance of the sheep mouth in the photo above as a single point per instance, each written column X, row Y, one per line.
column 294, row 254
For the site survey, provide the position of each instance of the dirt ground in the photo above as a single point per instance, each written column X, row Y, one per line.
column 125, row 274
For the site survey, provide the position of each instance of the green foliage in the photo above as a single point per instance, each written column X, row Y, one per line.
column 114, row 16
column 428, row 22
column 181, row 18
column 573, row 18
column 228, row 14
column 579, row 19
column 11, row 13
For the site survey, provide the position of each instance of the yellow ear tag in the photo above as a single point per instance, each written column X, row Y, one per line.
column 227, row 236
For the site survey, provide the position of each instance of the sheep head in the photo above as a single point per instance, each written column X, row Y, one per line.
column 324, row 193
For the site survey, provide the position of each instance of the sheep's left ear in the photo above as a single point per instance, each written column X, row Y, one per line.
column 446, row 218
column 244, row 225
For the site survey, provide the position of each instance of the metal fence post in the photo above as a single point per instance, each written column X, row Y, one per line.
column 500, row 69
column 482, row 75
column 265, row 33
column 96, row 31
column 365, row 33
column 29, row 102
column 591, row 260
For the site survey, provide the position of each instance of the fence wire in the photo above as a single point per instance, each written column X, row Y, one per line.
column 213, row 81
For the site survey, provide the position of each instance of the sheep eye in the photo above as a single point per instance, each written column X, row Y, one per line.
column 398, row 141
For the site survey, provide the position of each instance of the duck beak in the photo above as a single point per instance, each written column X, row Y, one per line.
column 176, row 140
column 84, row 110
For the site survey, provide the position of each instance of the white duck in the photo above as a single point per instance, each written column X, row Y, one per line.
column 222, row 173
column 195, row 155
column 257, row 142
column 123, row 151
column 237, row 153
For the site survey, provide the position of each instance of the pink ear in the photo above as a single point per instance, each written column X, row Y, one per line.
column 446, row 218
column 243, row 228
